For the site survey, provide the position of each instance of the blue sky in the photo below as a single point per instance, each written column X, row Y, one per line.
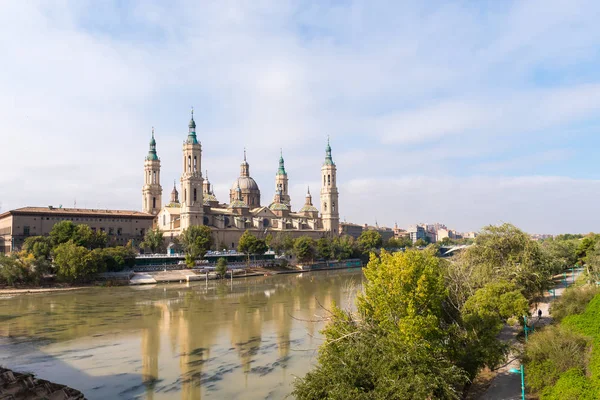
column 467, row 113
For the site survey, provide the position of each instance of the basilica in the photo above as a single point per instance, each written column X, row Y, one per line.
column 196, row 204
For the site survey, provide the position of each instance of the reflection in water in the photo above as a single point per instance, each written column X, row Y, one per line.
column 245, row 339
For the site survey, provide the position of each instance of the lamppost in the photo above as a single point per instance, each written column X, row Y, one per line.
column 522, row 372
column 553, row 292
column 565, row 279
column 526, row 328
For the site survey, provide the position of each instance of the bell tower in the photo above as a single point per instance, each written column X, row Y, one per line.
column 191, row 180
column 329, row 194
column 152, row 191
column 281, row 182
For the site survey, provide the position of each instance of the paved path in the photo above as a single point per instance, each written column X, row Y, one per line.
column 506, row 385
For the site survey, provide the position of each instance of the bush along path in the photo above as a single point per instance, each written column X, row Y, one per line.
column 563, row 360
column 507, row 385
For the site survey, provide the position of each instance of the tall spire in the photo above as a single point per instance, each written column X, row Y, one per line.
column 245, row 167
column 152, row 156
column 191, row 139
column 328, row 159
column 281, row 170
column 308, row 197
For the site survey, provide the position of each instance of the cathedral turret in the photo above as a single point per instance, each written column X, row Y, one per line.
column 174, row 194
column 248, row 186
column 152, row 191
column 308, row 209
column 329, row 193
column 281, row 181
column 191, row 180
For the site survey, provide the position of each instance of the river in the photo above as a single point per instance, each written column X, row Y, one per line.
column 246, row 339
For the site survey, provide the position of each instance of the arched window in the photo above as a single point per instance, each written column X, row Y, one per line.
column 154, row 177
column 195, row 165
column 154, row 202
column 194, row 194
column 185, row 198
column 325, row 207
column 328, row 180
column 189, row 164
column 323, row 180
column 333, row 206
column 205, row 220
column 164, row 220
column 265, row 223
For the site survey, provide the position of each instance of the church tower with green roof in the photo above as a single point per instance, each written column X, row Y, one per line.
column 192, row 208
column 329, row 194
column 152, row 191
column 281, row 182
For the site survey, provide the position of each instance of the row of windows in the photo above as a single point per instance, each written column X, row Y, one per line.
column 86, row 219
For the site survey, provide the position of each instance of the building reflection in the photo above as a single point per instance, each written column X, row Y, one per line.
column 216, row 332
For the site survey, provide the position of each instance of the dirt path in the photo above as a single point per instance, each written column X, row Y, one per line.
column 506, row 385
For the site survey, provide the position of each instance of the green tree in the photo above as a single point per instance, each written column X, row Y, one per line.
column 304, row 249
column 420, row 243
column 260, row 247
column 39, row 246
column 505, row 253
column 247, row 245
column 153, row 240
column 196, row 241
column 394, row 347
column 324, row 248
column 221, row 267
column 370, row 240
column 62, row 232
column 77, row 264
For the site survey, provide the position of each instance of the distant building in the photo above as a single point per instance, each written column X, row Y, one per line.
column 347, row 228
column 120, row 225
column 385, row 232
column 416, row 232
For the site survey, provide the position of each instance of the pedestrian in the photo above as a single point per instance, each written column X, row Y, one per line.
column 540, row 313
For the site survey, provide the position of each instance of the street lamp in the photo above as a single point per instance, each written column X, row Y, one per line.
column 522, row 372
column 565, row 279
column 526, row 328
column 553, row 292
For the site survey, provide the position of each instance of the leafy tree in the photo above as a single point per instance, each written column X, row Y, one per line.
column 324, row 248
column 75, row 263
column 345, row 247
column 563, row 253
column 20, row 267
column 370, row 240
column 118, row 258
column 504, row 253
column 420, row 243
column 62, row 232
column 446, row 241
column 39, row 246
column 268, row 240
column 395, row 346
column 221, row 268
column 304, row 249
column 196, row 241
column 153, row 240
column 247, row 244
column 260, row 247
column 82, row 235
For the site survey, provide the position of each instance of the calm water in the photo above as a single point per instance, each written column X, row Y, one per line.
column 245, row 340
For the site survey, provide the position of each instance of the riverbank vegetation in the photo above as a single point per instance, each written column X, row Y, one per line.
column 73, row 253
column 424, row 326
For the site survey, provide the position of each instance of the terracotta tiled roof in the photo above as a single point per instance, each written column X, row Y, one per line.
column 77, row 211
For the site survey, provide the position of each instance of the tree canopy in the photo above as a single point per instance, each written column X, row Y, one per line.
column 196, row 241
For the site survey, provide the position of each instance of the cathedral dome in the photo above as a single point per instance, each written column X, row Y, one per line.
column 208, row 198
column 245, row 183
column 308, row 208
column 278, row 207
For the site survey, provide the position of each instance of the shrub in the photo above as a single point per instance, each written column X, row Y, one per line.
column 572, row 385
column 573, row 301
column 552, row 352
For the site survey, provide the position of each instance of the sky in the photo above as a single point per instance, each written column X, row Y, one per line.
column 467, row 113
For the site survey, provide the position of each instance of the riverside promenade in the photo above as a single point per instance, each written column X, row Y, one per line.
column 506, row 385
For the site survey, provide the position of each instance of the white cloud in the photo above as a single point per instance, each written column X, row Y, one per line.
column 404, row 90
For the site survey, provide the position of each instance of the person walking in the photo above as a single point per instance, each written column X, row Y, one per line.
column 539, row 313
